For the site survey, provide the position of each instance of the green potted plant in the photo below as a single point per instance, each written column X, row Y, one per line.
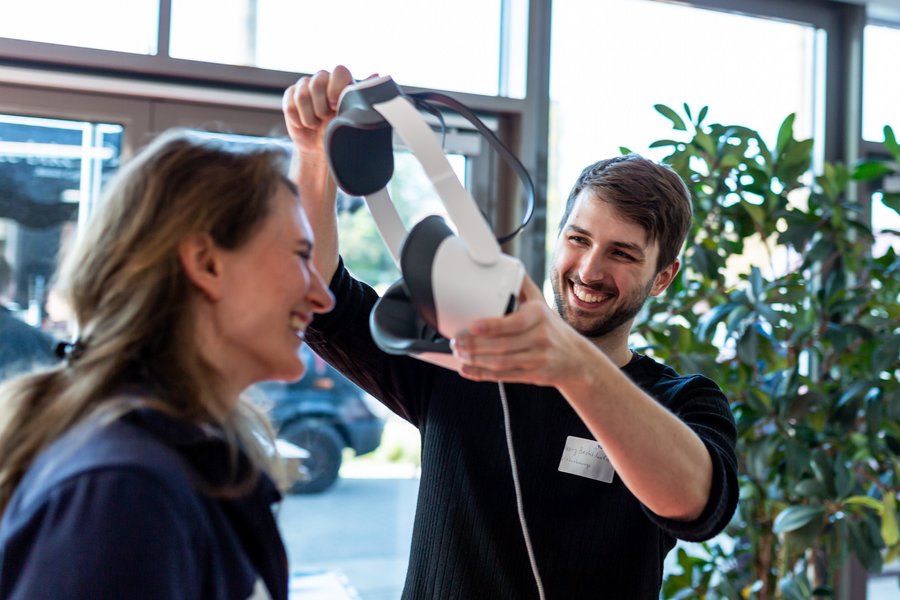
column 782, row 302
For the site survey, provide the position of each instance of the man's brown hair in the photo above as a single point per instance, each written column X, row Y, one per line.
column 642, row 192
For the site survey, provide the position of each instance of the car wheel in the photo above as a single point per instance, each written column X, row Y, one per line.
column 325, row 446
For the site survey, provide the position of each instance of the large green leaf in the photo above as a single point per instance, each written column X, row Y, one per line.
column 890, row 143
column 872, row 169
column 867, row 550
column 709, row 320
column 663, row 143
column 756, row 285
column 795, row 517
column 873, row 503
column 823, row 469
column 889, row 531
column 677, row 121
column 785, row 133
column 705, row 142
column 702, row 115
column 756, row 212
column 795, row 587
column 794, row 161
column 843, row 478
column 884, row 359
column 748, row 346
column 810, row 488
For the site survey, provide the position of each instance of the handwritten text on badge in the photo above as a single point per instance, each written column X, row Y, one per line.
column 587, row 459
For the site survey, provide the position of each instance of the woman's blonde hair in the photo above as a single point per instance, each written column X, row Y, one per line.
column 131, row 299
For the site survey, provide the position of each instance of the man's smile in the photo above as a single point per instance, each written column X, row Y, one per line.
column 590, row 295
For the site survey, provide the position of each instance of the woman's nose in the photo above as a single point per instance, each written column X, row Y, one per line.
column 321, row 297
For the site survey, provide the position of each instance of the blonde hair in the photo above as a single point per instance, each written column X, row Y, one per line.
column 130, row 297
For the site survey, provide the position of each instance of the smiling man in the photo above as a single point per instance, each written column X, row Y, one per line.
column 618, row 455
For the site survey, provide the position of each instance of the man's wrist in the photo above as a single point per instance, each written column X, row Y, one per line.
column 308, row 164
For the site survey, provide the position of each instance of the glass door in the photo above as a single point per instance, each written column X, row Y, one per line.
column 51, row 174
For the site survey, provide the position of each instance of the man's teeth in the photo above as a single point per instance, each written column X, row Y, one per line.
column 585, row 296
column 297, row 323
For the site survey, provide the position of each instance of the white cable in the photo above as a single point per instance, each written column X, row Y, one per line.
column 519, row 504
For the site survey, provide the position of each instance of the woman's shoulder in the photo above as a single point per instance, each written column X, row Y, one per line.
column 118, row 450
column 110, row 495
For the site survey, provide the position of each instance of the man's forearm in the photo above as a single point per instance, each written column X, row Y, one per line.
column 659, row 458
column 318, row 193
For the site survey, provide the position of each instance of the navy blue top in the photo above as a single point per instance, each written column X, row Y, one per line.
column 118, row 511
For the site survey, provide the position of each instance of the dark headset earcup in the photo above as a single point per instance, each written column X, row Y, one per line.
column 361, row 157
column 416, row 261
column 397, row 328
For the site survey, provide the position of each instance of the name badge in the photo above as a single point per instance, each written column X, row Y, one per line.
column 586, row 458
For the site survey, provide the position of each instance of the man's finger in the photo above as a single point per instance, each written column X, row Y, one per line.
column 318, row 92
column 340, row 78
column 291, row 118
column 530, row 290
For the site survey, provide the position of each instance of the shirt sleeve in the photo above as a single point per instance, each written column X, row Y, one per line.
column 701, row 405
column 113, row 533
column 342, row 337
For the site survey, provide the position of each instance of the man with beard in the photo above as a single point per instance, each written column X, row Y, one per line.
column 618, row 456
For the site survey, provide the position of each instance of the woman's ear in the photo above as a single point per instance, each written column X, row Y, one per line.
column 200, row 258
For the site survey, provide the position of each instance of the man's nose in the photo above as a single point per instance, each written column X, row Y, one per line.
column 592, row 269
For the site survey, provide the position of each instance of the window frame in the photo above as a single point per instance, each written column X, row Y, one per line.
column 147, row 93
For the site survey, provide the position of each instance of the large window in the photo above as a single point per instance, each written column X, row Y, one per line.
column 613, row 61
column 411, row 39
column 470, row 46
column 881, row 107
column 102, row 24
column 881, row 92
column 51, row 172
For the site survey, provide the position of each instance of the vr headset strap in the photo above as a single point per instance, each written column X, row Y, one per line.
column 388, row 221
column 478, row 238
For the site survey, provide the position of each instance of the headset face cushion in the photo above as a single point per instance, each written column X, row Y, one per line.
column 393, row 319
column 362, row 159
column 398, row 329
column 416, row 262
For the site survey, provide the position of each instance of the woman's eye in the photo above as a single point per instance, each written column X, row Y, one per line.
column 305, row 255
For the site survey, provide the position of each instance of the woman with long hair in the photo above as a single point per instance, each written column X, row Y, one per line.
column 137, row 468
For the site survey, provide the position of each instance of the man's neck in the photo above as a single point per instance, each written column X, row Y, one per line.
column 615, row 345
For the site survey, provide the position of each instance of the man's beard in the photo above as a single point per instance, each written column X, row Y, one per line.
column 600, row 326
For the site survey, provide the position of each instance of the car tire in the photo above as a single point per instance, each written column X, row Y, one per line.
column 325, row 447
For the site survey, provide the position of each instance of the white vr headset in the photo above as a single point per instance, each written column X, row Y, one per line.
column 448, row 281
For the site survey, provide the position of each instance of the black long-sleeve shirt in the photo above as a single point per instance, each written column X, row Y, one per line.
column 591, row 539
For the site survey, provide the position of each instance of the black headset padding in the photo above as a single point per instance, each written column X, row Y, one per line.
column 359, row 141
column 398, row 329
column 361, row 156
column 416, row 259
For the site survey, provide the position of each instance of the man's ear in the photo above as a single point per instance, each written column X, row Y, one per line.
column 202, row 264
column 664, row 278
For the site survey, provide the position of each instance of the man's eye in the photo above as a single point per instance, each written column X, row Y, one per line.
column 305, row 255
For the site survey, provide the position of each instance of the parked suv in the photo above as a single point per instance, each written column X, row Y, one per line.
column 323, row 413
